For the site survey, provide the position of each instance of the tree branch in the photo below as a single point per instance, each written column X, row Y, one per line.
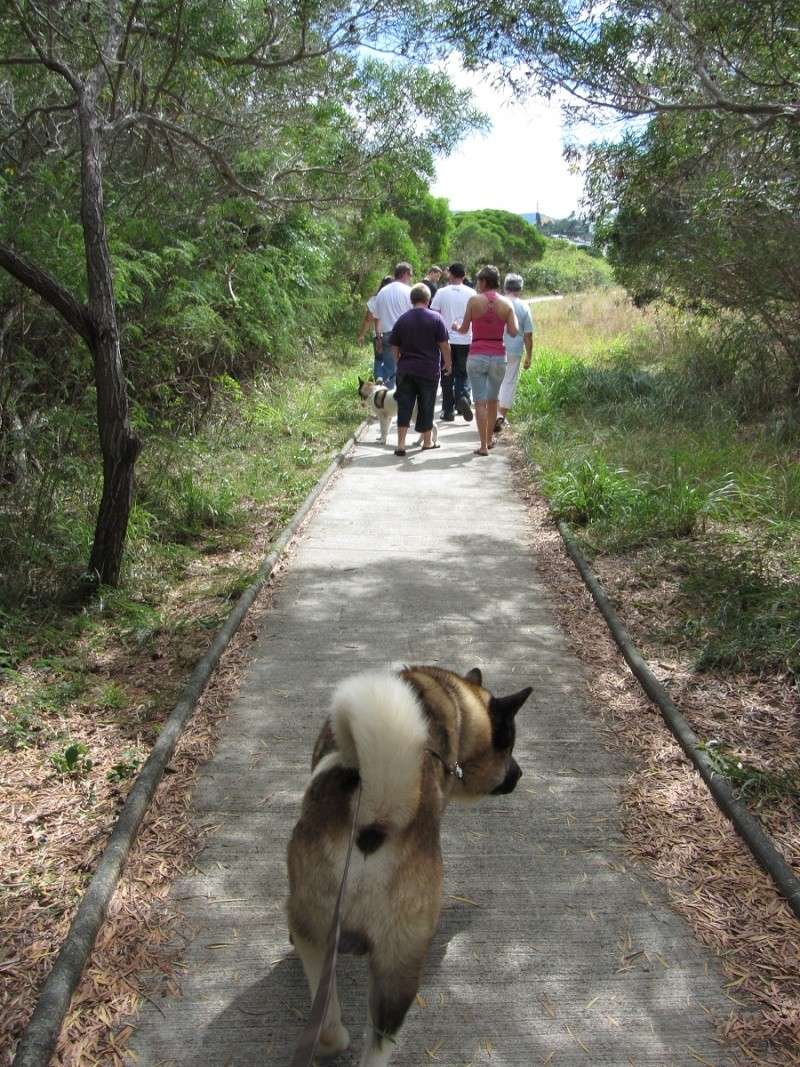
column 45, row 286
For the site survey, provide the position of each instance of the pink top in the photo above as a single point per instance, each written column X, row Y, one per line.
column 487, row 330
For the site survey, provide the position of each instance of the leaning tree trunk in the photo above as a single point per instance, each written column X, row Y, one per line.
column 119, row 444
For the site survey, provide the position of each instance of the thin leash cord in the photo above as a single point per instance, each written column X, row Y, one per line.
column 309, row 1039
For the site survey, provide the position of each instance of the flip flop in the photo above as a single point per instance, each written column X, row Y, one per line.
column 479, row 452
column 429, row 448
column 399, row 451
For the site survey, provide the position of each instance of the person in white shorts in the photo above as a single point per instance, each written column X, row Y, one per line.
column 515, row 348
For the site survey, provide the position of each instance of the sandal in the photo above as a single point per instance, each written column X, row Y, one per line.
column 427, row 448
column 399, row 451
column 479, row 452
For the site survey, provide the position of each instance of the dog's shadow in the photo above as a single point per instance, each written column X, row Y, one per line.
column 264, row 1021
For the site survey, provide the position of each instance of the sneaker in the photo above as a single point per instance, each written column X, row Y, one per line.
column 500, row 423
column 464, row 409
column 447, row 418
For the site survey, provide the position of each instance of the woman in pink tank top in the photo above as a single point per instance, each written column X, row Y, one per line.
column 489, row 315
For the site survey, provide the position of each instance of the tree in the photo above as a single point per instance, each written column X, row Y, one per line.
column 499, row 237
column 644, row 57
column 270, row 104
column 700, row 199
column 705, row 221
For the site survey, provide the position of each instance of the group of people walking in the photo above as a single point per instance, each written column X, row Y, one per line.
column 476, row 339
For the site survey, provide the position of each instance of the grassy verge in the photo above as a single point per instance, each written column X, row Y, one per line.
column 84, row 689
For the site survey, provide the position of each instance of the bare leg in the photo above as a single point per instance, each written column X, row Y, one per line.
column 484, row 431
column 334, row 1037
column 491, row 418
column 401, row 436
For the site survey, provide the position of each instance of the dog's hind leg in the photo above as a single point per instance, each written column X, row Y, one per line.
column 390, row 997
column 334, row 1037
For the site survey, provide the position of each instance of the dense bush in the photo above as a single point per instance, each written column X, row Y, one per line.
column 564, row 268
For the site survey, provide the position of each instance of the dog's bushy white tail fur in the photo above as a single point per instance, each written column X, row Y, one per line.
column 380, row 728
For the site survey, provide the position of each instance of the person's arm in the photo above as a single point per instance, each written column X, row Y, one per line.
column 527, row 337
column 447, row 356
column 368, row 318
column 512, row 326
column 396, row 353
column 464, row 327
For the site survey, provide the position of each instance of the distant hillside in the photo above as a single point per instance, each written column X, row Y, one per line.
column 572, row 227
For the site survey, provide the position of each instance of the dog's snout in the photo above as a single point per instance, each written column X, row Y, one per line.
column 509, row 783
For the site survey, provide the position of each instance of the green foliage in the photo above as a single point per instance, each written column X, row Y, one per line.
column 697, row 209
column 498, row 237
column 20, row 728
column 126, row 767
column 658, row 442
column 564, row 268
column 73, row 762
column 751, row 784
column 745, row 618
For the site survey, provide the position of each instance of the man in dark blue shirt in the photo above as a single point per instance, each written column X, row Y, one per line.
column 418, row 340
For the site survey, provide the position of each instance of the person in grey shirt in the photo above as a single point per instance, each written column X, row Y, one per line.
column 516, row 347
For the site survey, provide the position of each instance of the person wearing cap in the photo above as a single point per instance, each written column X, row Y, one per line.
column 451, row 303
column 515, row 348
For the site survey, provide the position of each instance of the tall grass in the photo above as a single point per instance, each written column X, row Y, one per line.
column 655, row 430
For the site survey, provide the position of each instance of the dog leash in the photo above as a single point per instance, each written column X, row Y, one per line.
column 309, row 1039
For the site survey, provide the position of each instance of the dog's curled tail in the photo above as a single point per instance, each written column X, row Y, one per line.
column 380, row 728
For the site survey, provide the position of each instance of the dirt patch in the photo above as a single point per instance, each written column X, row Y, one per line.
column 671, row 822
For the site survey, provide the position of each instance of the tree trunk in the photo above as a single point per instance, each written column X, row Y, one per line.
column 119, row 444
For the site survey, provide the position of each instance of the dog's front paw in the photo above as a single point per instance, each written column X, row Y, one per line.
column 333, row 1040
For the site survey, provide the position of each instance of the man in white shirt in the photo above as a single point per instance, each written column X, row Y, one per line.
column 451, row 302
column 387, row 306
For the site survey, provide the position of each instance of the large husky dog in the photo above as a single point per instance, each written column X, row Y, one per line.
column 414, row 740
column 380, row 402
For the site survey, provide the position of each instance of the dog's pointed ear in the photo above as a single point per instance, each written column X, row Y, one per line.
column 361, row 381
column 474, row 676
column 507, row 707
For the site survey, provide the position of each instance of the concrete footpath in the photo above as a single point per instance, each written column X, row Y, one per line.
column 552, row 947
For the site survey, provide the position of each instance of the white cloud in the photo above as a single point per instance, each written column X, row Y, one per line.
column 515, row 166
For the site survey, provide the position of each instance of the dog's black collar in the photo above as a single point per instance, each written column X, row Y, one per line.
column 379, row 397
column 455, row 770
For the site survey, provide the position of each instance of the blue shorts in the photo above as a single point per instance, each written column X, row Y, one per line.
column 486, row 375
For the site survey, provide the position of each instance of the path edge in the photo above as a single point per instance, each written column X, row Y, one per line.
column 748, row 827
column 38, row 1041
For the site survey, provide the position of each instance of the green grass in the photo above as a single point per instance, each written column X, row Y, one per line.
column 200, row 496
column 646, row 441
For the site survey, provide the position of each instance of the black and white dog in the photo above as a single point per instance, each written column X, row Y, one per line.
column 381, row 404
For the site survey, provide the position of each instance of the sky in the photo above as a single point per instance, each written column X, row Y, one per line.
column 517, row 165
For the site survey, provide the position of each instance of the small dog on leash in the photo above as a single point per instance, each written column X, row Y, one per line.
column 413, row 740
column 381, row 403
